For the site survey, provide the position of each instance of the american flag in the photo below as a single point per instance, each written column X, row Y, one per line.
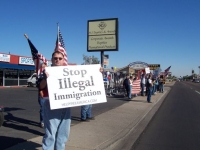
column 136, row 89
column 167, row 71
column 136, row 86
column 60, row 46
column 37, row 58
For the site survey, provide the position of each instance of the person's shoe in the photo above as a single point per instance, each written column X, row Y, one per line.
column 149, row 102
column 84, row 120
column 42, row 125
column 92, row 118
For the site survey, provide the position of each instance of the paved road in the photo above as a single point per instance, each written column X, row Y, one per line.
column 176, row 125
column 22, row 114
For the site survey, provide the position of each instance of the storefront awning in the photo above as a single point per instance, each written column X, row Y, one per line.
column 15, row 66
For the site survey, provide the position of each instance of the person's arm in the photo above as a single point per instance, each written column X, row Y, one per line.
column 41, row 94
column 43, row 82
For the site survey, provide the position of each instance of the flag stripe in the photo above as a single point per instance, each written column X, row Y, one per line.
column 60, row 46
column 136, row 87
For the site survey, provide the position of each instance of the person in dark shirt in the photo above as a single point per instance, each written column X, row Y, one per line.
column 126, row 85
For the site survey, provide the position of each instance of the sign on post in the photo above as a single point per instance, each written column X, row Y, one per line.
column 102, row 35
column 71, row 86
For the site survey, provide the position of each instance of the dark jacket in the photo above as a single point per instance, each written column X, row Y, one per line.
column 126, row 83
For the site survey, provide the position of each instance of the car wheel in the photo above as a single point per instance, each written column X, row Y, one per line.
column 1, row 118
column 29, row 84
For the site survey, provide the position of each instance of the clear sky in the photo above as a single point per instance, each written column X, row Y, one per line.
column 165, row 32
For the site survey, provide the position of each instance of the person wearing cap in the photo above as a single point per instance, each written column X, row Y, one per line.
column 57, row 121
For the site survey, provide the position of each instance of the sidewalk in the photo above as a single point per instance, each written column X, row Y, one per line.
column 110, row 130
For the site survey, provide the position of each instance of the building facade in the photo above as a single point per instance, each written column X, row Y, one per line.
column 15, row 70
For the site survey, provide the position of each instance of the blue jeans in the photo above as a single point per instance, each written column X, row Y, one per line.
column 86, row 112
column 161, row 88
column 130, row 90
column 156, row 86
column 56, row 126
column 153, row 90
column 149, row 94
column 41, row 102
column 142, row 89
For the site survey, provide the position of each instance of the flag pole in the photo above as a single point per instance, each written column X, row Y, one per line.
column 58, row 29
column 26, row 36
column 57, row 35
column 37, row 61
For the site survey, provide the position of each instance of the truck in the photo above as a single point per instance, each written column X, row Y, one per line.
column 31, row 81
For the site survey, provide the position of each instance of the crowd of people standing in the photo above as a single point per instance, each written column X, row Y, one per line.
column 149, row 85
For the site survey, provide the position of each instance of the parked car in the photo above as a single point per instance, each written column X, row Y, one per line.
column 1, row 115
column 31, row 81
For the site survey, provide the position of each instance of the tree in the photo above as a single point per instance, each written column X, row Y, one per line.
column 90, row 60
column 192, row 71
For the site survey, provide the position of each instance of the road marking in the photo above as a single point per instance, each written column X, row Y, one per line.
column 197, row 92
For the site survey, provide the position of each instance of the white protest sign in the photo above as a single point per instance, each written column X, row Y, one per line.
column 147, row 70
column 71, row 86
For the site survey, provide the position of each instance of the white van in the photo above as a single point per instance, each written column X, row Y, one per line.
column 31, row 81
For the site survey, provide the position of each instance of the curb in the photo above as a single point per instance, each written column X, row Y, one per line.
column 3, row 87
column 129, row 136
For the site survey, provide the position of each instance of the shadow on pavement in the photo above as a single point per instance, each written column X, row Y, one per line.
column 75, row 118
column 6, row 109
column 7, row 142
column 8, row 117
column 17, row 123
column 21, row 128
column 18, row 144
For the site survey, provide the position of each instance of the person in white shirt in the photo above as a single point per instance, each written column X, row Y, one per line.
column 149, row 88
column 130, row 89
column 142, row 84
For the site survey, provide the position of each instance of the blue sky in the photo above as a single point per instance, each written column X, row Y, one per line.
column 165, row 32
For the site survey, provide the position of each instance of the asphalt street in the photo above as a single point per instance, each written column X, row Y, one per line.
column 22, row 114
column 176, row 125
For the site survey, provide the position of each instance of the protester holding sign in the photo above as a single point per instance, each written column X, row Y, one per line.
column 57, row 121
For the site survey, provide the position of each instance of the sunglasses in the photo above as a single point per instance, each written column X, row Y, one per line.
column 56, row 58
